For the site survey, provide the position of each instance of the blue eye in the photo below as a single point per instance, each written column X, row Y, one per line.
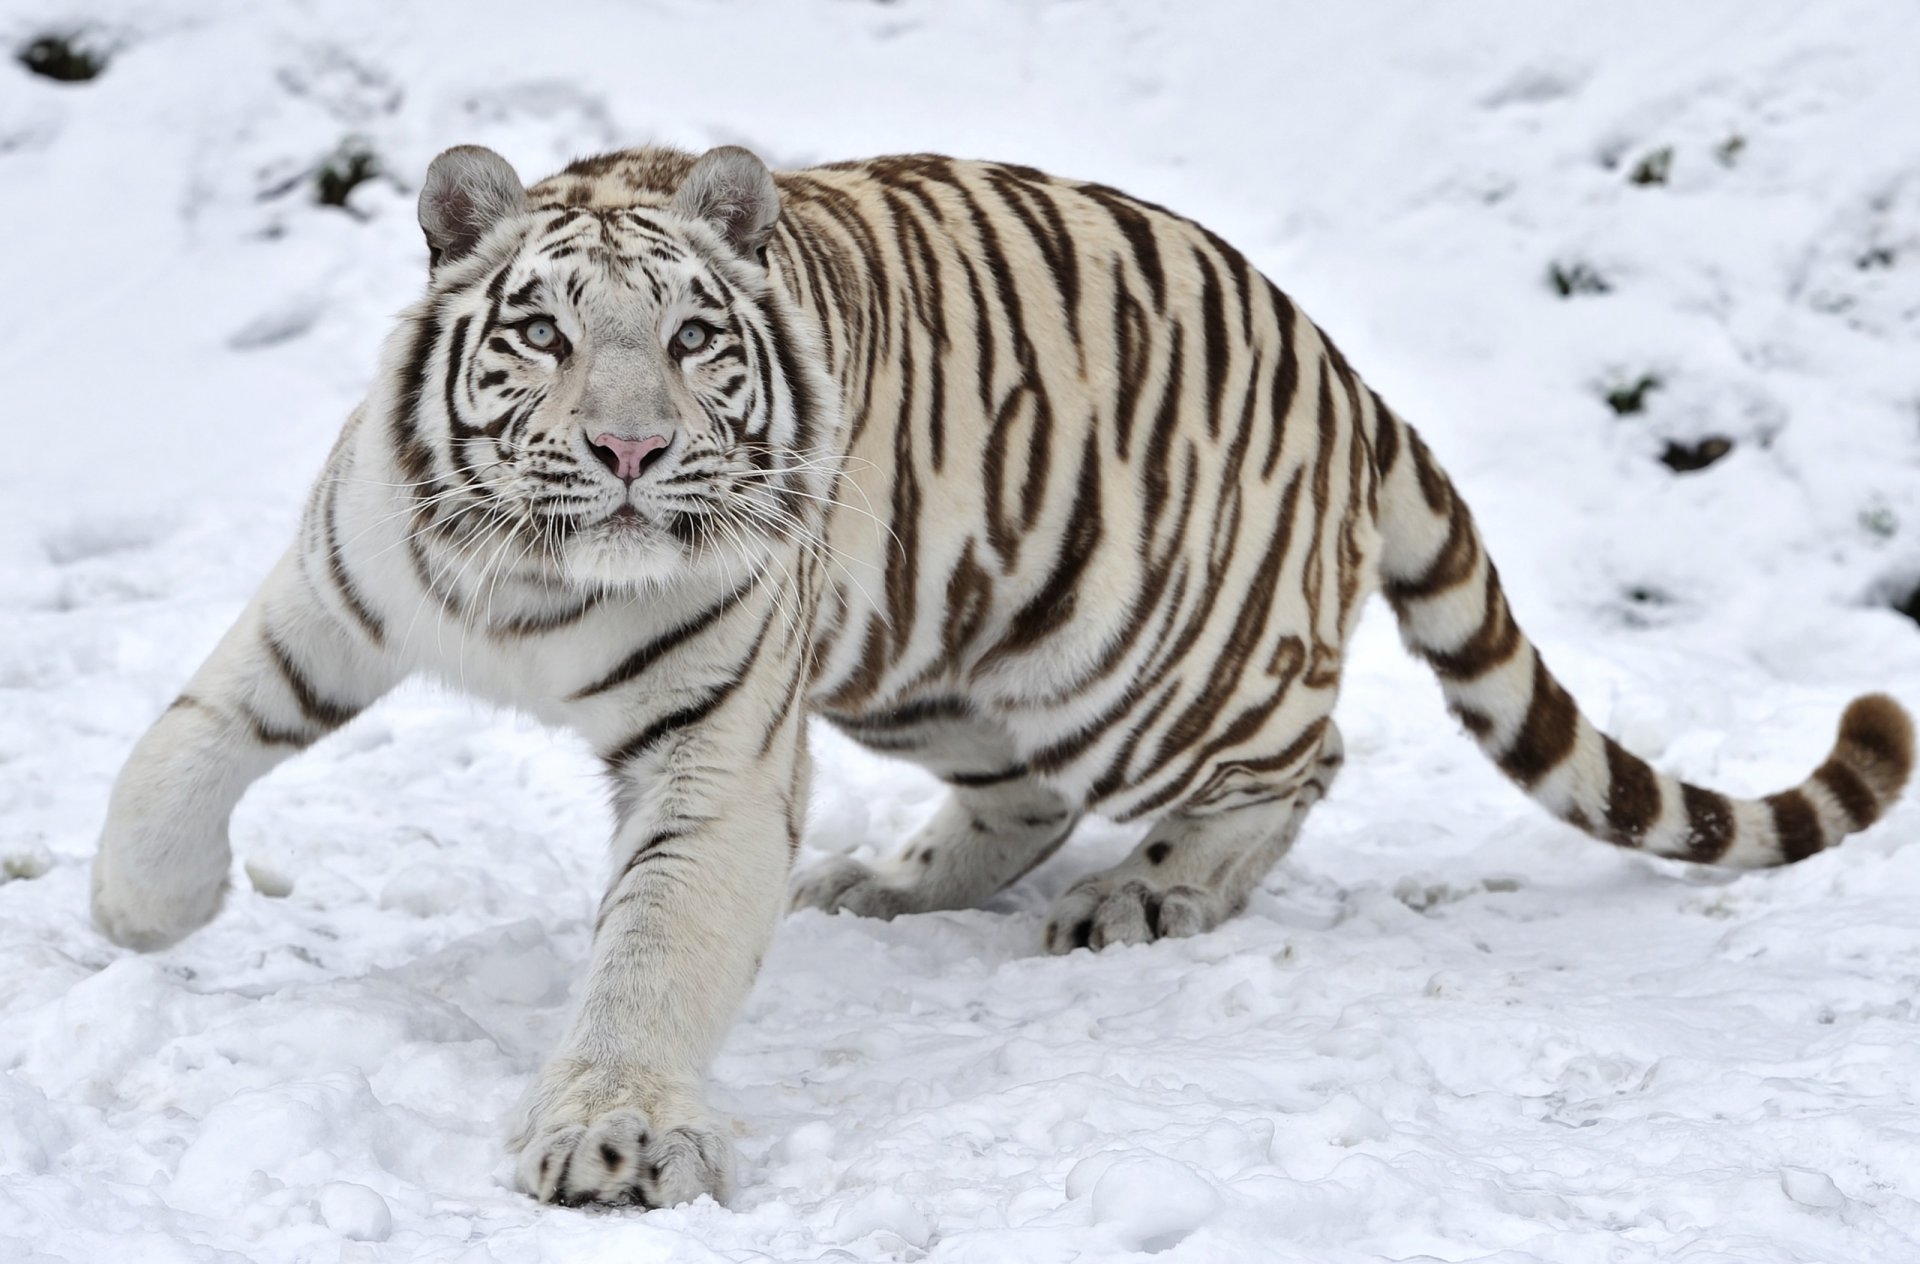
column 541, row 334
column 692, row 336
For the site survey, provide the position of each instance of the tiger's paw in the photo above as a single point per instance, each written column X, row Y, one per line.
column 148, row 907
column 620, row 1160
column 586, row 1140
column 1122, row 906
column 842, row 884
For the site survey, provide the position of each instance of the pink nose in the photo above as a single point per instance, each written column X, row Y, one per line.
column 628, row 457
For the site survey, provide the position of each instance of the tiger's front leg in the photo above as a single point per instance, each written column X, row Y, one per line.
column 287, row 673
column 710, row 814
column 618, row 1115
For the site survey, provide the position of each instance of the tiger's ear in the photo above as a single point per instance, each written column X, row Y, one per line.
column 732, row 190
column 467, row 191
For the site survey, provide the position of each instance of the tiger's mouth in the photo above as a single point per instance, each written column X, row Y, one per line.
column 624, row 524
column 629, row 527
column 626, row 520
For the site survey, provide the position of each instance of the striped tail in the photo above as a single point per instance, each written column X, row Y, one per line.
column 1436, row 574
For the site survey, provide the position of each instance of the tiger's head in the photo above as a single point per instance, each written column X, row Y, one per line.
column 620, row 384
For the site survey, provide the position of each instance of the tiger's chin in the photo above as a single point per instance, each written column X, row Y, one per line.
column 622, row 552
column 630, row 552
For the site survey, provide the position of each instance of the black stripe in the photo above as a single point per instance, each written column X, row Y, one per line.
column 647, row 655
column 1386, row 438
column 805, row 420
column 1242, row 279
column 342, row 581
column 456, row 361
column 1495, row 641
column 415, row 458
column 1709, row 824
column 1796, row 824
column 1850, row 792
column 540, row 622
column 1138, row 230
column 1548, row 732
column 1213, row 339
column 1286, row 376
column 1015, row 773
column 923, row 711
column 1633, row 796
column 795, row 681
column 322, row 712
column 612, row 902
column 1054, row 604
column 1055, row 244
column 1159, row 445
column 685, row 717
column 268, row 735
column 640, row 853
column 1452, row 566
column 670, row 723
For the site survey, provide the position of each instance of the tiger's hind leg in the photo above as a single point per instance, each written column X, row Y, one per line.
column 1193, row 870
column 981, row 839
column 996, row 825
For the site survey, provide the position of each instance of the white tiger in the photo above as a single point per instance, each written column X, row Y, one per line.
column 1024, row 479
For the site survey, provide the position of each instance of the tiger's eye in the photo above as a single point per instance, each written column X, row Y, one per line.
column 541, row 334
column 692, row 336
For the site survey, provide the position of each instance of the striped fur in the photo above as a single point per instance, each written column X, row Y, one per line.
column 1022, row 478
column 1446, row 592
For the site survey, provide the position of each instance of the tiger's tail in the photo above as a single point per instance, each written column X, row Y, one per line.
column 1436, row 574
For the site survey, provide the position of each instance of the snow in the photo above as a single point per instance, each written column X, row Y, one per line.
column 357, row 1213
column 1447, row 1029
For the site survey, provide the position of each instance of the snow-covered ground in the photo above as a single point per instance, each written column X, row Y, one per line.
column 1448, row 1028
